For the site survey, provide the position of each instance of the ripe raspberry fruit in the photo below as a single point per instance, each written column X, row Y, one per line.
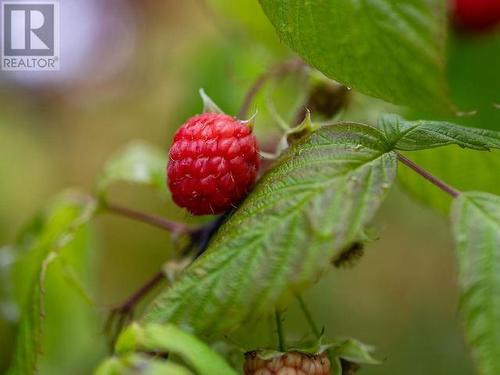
column 476, row 15
column 291, row 363
column 212, row 164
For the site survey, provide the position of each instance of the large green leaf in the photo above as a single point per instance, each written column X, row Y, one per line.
column 476, row 228
column 393, row 50
column 310, row 207
column 170, row 339
column 419, row 135
column 55, row 228
column 138, row 163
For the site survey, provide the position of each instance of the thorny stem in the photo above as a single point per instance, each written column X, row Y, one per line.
column 279, row 331
column 157, row 221
column 275, row 71
column 429, row 177
column 308, row 316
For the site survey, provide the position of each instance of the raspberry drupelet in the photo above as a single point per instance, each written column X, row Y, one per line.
column 213, row 163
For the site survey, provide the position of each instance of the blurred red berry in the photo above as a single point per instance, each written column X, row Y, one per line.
column 213, row 163
column 476, row 15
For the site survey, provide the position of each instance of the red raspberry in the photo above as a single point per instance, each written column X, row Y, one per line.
column 291, row 363
column 212, row 163
column 476, row 15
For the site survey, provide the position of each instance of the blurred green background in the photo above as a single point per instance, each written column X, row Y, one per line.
column 137, row 78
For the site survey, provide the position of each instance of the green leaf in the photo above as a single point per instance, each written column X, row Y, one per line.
column 138, row 163
column 419, row 135
column 312, row 205
column 393, row 50
column 51, row 229
column 354, row 351
column 463, row 169
column 476, row 228
column 56, row 228
column 28, row 336
column 170, row 339
column 135, row 364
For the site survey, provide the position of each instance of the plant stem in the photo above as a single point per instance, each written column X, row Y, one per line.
column 279, row 331
column 142, row 291
column 157, row 221
column 312, row 325
column 429, row 177
column 124, row 313
column 274, row 71
column 308, row 317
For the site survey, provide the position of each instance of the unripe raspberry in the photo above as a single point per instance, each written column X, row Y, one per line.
column 291, row 363
column 476, row 15
column 213, row 163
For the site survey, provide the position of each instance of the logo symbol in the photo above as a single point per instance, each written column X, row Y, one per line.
column 30, row 35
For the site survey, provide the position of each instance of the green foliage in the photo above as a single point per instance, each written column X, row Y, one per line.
column 463, row 169
column 393, row 50
column 138, row 163
column 311, row 206
column 155, row 338
column 308, row 209
column 472, row 63
column 353, row 351
column 30, row 327
column 135, row 364
column 476, row 228
column 50, row 233
column 170, row 339
column 419, row 135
